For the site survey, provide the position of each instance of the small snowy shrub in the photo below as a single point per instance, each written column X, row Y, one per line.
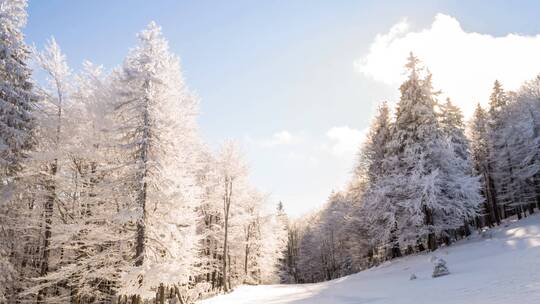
column 439, row 268
column 486, row 234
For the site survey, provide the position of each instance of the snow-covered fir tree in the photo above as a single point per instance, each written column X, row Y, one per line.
column 453, row 128
column 499, row 162
column 17, row 100
column 155, row 115
column 517, row 158
column 17, row 121
column 433, row 194
column 374, row 217
column 478, row 133
column 526, row 127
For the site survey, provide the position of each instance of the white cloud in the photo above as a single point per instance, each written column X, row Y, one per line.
column 464, row 64
column 310, row 160
column 338, row 143
column 279, row 138
column 344, row 141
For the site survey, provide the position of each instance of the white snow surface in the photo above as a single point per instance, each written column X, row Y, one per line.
column 503, row 268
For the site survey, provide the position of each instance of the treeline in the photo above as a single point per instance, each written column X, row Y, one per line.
column 424, row 178
column 108, row 194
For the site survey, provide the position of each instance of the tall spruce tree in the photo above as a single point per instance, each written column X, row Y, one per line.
column 528, row 126
column 499, row 161
column 478, row 129
column 374, row 217
column 373, row 150
column 17, row 138
column 433, row 194
column 17, row 103
column 453, row 128
column 517, row 155
column 156, row 126
column 16, row 97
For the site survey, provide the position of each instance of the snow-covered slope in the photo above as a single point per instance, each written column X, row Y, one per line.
column 503, row 268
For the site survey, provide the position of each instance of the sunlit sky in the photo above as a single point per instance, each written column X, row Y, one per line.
column 296, row 82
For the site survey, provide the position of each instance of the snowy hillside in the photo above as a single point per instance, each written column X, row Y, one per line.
column 501, row 267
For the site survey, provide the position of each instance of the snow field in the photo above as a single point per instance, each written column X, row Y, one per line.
column 501, row 267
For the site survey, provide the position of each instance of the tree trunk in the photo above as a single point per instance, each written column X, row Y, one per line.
column 139, row 248
column 537, row 189
column 493, row 198
column 466, row 228
column 229, row 277
column 141, row 196
column 48, row 213
column 135, row 299
column 161, row 294
column 395, row 252
column 490, row 217
column 246, row 261
column 428, row 218
column 226, row 205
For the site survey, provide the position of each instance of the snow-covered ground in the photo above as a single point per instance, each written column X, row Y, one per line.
column 502, row 269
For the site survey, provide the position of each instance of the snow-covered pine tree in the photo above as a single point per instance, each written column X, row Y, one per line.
column 432, row 194
column 527, row 122
column 286, row 262
column 373, row 218
column 500, row 160
column 17, row 102
column 478, row 129
column 453, row 128
column 326, row 245
column 348, row 247
column 310, row 260
column 156, row 125
column 372, row 153
column 289, row 272
column 411, row 159
column 519, row 131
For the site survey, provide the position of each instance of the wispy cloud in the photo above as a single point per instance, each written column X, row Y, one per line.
column 464, row 64
column 344, row 141
column 280, row 138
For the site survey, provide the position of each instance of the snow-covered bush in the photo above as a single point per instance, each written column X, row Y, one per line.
column 439, row 268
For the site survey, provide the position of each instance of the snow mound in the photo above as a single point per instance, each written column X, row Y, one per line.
column 439, row 268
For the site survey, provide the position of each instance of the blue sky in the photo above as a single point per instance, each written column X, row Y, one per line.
column 279, row 76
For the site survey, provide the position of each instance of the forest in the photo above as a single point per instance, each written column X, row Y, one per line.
column 109, row 194
column 108, row 189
